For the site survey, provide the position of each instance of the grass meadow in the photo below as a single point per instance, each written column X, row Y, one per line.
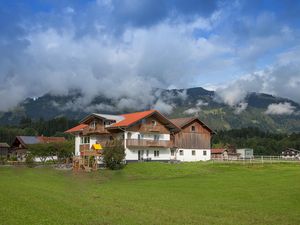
column 153, row 193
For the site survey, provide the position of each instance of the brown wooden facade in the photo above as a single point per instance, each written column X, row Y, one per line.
column 95, row 126
column 150, row 125
column 193, row 136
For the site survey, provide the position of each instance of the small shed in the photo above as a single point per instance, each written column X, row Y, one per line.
column 245, row 153
column 224, row 154
column 4, row 150
column 217, row 153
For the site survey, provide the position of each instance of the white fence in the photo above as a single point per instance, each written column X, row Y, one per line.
column 259, row 159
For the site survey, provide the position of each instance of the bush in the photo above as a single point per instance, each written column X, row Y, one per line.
column 114, row 154
column 3, row 160
column 13, row 158
column 29, row 160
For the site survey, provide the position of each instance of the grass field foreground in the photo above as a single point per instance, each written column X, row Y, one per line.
column 153, row 193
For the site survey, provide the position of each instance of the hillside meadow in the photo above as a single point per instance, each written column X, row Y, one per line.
column 153, row 193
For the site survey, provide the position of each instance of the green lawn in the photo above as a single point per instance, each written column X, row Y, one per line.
column 153, row 193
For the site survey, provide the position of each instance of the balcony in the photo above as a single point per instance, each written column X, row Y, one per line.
column 152, row 128
column 99, row 129
column 84, row 147
column 148, row 143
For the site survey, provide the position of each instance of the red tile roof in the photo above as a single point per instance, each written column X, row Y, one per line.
column 77, row 128
column 131, row 118
column 217, row 150
column 44, row 139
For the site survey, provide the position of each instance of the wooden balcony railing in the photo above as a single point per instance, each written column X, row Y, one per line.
column 148, row 143
column 151, row 128
column 84, row 147
column 99, row 129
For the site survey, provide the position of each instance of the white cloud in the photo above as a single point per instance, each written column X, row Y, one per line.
column 192, row 111
column 201, row 103
column 123, row 69
column 80, row 49
column 163, row 107
column 281, row 79
column 280, row 109
column 197, row 109
column 242, row 106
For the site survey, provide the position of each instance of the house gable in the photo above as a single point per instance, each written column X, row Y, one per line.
column 195, row 127
column 149, row 125
column 194, row 134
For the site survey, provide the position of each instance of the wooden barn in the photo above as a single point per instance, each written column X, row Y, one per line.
column 193, row 141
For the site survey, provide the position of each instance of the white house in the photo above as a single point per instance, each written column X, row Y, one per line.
column 147, row 136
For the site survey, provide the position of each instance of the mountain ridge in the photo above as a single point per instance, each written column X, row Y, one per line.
column 180, row 102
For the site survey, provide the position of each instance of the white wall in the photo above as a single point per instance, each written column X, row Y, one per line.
column 77, row 144
column 188, row 157
column 134, row 135
column 245, row 152
column 164, row 153
column 132, row 154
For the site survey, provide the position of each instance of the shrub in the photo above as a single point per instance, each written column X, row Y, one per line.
column 3, row 160
column 13, row 158
column 29, row 160
column 114, row 154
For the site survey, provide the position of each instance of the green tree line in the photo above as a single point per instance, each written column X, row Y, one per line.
column 28, row 127
column 263, row 143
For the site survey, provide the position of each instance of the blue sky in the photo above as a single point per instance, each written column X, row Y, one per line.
column 56, row 46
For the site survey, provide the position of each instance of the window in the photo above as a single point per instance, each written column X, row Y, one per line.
column 129, row 135
column 93, row 124
column 107, row 123
column 85, row 140
column 193, row 152
column 156, row 137
column 193, row 128
column 140, row 136
column 204, row 153
column 156, row 153
column 172, row 152
column 153, row 123
column 147, row 153
column 181, row 152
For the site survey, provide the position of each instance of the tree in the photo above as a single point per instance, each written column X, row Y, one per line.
column 62, row 150
column 41, row 151
column 114, row 154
